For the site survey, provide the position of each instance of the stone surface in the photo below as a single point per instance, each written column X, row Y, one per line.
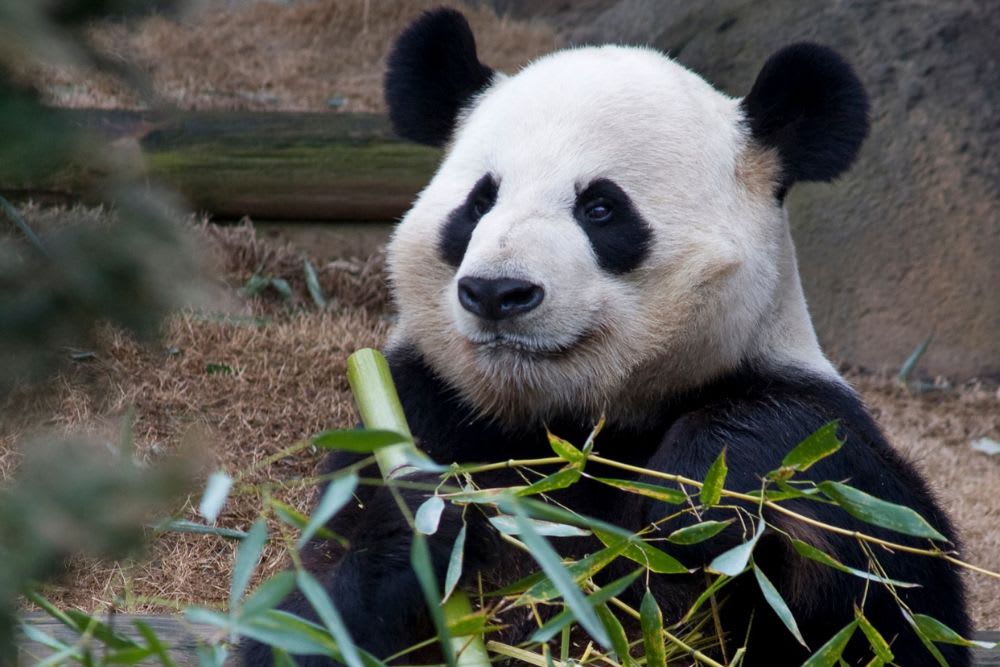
column 907, row 244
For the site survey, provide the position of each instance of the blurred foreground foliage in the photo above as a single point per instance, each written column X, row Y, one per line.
column 69, row 495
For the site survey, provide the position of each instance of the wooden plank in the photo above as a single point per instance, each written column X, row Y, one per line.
column 277, row 166
column 184, row 637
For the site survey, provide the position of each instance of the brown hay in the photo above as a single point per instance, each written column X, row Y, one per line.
column 289, row 383
column 277, row 55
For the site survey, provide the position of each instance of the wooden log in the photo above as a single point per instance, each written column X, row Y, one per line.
column 277, row 166
column 183, row 637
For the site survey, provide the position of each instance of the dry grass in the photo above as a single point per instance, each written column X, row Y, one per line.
column 288, row 383
column 277, row 55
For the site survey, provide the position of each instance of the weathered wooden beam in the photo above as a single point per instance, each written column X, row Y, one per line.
column 183, row 637
column 278, row 166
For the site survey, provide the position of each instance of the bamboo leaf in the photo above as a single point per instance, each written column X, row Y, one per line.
column 619, row 641
column 508, row 526
column 550, row 563
column 564, row 618
column 455, row 563
column 328, row 614
column 428, row 515
column 829, row 653
column 715, row 480
column 337, row 494
column 715, row 586
column 420, row 558
column 247, row 556
column 936, row 631
column 312, row 284
column 879, row 512
column 543, row 589
column 816, row 447
column 734, row 561
column 698, row 532
column 642, row 552
column 778, row 604
column 566, row 450
column 875, row 639
column 268, row 595
column 661, row 493
column 557, row 480
column 360, row 441
column 819, row 556
column 214, row 497
column 651, row 619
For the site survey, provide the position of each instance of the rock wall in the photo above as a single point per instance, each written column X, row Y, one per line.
column 907, row 244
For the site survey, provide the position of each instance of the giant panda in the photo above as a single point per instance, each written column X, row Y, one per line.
column 606, row 237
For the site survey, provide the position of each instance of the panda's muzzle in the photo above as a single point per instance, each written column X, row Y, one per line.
column 497, row 299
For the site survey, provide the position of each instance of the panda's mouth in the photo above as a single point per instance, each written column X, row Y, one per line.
column 528, row 345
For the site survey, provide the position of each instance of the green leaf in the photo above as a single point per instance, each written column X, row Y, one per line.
column 936, row 631
column 711, row 491
column 428, row 515
column 247, row 557
column 778, row 604
column 312, row 284
column 219, row 369
column 815, row 554
column 268, row 595
column 281, row 286
column 580, row 570
column 619, row 641
column 602, row 595
column 816, row 447
column 508, row 526
column 183, row 526
column 213, row 655
column 661, row 493
column 734, row 561
column 715, row 586
column 214, row 497
column 829, row 653
column 557, row 480
column 645, row 554
column 255, row 284
column 337, row 494
column 153, row 642
column 420, row 559
column 359, row 441
column 537, row 509
column 651, row 619
column 328, row 614
column 288, row 632
column 879, row 512
column 550, row 563
column 101, row 631
column 698, row 532
column 566, row 451
column 875, row 639
column 455, row 563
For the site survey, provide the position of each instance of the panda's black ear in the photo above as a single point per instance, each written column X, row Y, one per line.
column 809, row 105
column 433, row 71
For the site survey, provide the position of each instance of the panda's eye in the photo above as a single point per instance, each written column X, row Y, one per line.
column 481, row 206
column 598, row 211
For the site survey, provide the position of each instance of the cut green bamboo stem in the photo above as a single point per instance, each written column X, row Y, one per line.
column 379, row 406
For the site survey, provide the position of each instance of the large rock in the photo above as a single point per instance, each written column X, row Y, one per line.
column 907, row 244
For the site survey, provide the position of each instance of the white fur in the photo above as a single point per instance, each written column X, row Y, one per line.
column 720, row 285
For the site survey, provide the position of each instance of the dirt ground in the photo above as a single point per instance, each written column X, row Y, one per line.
column 313, row 55
column 288, row 383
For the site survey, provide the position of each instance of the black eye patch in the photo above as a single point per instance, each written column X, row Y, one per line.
column 462, row 221
column 618, row 234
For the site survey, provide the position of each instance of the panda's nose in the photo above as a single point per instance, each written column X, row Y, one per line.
column 498, row 298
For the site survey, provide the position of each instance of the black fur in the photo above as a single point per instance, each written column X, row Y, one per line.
column 457, row 231
column 621, row 240
column 809, row 105
column 432, row 73
column 759, row 415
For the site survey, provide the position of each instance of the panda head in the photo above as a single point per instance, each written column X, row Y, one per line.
column 606, row 228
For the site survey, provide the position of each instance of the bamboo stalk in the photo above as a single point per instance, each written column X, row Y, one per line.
column 379, row 406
